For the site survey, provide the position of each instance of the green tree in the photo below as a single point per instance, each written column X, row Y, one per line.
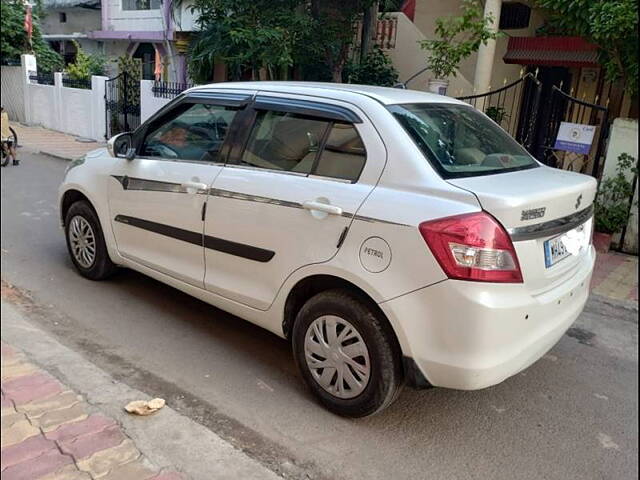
column 315, row 36
column 246, row 36
column 610, row 24
column 14, row 41
column 458, row 38
column 374, row 69
column 12, row 34
column 332, row 31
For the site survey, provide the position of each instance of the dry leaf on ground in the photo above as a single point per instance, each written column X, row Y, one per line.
column 145, row 407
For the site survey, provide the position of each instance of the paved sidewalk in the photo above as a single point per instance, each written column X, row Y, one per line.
column 49, row 432
column 616, row 276
column 168, row 440
column 52, row 143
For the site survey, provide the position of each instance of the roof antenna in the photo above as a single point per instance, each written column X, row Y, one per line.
column 403, row 85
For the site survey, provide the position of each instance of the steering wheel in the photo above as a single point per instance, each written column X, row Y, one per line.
column 162, row 150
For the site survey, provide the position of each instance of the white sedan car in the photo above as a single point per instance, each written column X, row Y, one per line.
column 392, row 236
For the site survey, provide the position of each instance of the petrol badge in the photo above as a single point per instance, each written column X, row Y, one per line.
column 375, row 255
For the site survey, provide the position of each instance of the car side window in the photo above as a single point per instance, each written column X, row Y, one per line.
column 343, row 155
column 284, row 141
column 192, row 132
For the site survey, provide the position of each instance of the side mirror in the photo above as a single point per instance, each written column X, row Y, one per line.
column 120, row 146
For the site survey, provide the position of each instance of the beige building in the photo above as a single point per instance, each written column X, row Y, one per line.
column 563, row 79
column 569, row 61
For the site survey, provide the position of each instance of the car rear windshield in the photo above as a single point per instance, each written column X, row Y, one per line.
column 460, row 141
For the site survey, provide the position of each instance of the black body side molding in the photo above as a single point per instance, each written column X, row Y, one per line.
column 226, row 246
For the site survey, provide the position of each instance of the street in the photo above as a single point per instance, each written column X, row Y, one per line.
column 572, row 415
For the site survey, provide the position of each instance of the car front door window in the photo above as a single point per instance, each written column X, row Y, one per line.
column 193, row 132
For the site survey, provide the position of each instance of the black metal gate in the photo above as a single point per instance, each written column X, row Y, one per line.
column 514, row 107
column 573, row 110
column 122, row 104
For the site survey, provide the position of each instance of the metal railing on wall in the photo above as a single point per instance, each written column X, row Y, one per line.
column 42, row 78
column 84, row 83
column 169, row 89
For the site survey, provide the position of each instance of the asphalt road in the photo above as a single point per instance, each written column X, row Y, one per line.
column 572, row 415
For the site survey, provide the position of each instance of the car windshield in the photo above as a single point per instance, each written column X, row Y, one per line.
column 460, row 141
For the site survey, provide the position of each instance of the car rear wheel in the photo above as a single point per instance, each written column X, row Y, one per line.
column 85, row 242
column 347, row 354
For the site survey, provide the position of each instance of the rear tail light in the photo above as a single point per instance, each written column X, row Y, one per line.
column 473, row 247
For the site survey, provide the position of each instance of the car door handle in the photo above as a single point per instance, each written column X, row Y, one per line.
column 194, row 187
column 322, row 207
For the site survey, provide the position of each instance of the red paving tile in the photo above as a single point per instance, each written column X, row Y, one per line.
column 29, row 448
column 29, row 394
column 26, row 381
column 86, row 445
column 6, row 351
column 5, row 402
column 608, row 263
column 39, row 466
column 69, row 431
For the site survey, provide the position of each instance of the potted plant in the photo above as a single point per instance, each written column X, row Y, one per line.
column 374, row 69
column 458, row 38
column 613, row 203
column 497, row 114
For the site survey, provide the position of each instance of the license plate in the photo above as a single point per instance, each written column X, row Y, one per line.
column 565, row 245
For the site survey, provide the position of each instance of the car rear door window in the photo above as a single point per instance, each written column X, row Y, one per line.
column 284, row 141
column 343, row 155
column 291, row 142
column 193, row 132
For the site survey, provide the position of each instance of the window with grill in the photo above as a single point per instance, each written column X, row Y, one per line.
column 141, row 4
column 514, row 15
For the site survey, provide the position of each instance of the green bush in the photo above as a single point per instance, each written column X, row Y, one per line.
column 374, row 69
column 85, row 64
column 613, row 202
column 497, row 114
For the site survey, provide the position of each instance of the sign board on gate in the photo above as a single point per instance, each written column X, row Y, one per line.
column 575, row 137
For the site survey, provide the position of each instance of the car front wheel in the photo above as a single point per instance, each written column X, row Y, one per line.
column 347, row 354
column 85, row 242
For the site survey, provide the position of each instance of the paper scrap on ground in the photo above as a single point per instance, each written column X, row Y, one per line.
column 145, row 407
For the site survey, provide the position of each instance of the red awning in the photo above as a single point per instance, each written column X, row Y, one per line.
column 551, row 51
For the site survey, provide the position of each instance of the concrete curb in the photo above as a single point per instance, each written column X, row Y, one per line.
column 35, row 151
column 168, row 439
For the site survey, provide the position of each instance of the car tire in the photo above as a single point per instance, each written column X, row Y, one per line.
column 338, row 311
column 85, row 242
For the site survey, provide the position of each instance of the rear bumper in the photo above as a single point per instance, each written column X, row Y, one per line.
column 471, row 335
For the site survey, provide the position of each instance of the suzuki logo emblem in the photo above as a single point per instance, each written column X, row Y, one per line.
column 578, row 201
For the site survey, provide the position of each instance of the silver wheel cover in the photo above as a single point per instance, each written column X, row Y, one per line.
column 337, row 356
column 82, row 241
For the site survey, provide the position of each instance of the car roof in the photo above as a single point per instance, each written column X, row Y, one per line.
column 384, row 95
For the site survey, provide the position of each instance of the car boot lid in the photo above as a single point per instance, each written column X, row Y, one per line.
column 530, row 197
